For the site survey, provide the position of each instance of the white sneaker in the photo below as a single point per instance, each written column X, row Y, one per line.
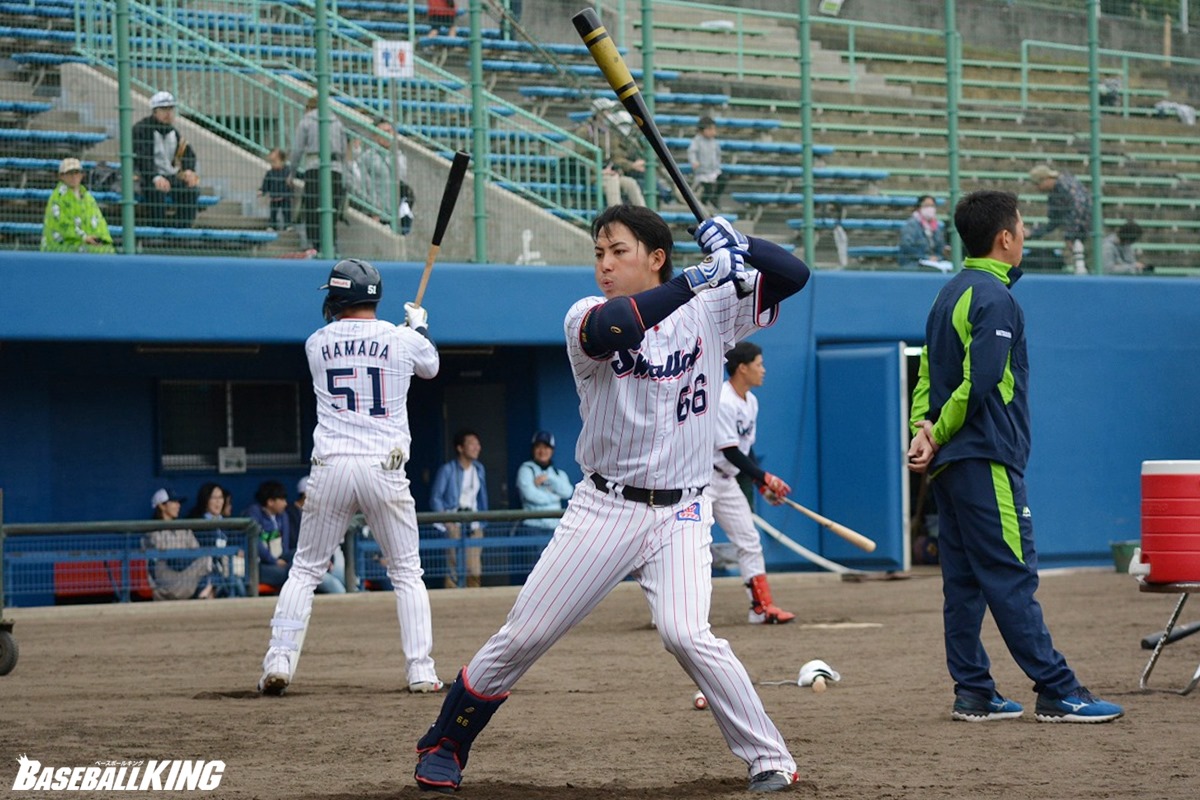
column 426, row 687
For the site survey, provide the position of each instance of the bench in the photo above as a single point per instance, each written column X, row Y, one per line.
column 40, row 10
column 37, row 34
column 47, row 59
column 23, row 107
column 692, row 120
column 509, row 45
column 692, row 247
column 40, row 137
column 874, row 251
column 231, row 235
column 463, row 132
column 430, row 106
column 12, row 162
column 10, row 193
column 92, row 581
column 359, row 79
column 584, row 70
column 666, row 98
column 850, row 224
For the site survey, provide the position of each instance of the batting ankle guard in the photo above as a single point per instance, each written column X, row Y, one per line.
column 464, row 714
column 287, row 635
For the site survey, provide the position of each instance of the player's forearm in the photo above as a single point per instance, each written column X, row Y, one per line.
column 784, row 274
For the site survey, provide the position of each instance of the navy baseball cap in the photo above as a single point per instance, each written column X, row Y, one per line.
column 544, row 437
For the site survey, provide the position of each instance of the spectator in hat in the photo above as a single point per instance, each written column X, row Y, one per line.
column 1068, row 208
column 542, row 485
column 1120, row 255
column 704, row 154
column 74, row 222
column 165, row 166
column 610, row 128
column 176, row 578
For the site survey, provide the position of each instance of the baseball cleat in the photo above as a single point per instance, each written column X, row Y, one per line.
column 426, row 687
column 273, row 684
column 773, row 781
column 770, row 615
column 438, row 770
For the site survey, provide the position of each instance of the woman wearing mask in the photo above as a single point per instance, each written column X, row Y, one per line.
column 923, row 238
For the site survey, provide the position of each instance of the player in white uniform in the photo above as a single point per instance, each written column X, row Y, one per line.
column 647, row 359
column 735, row 438
column 361, row 368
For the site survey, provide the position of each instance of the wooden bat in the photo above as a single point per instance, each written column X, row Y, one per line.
column 1151, row 641
column 449, row 195
column 852, row 536
column 608, row 59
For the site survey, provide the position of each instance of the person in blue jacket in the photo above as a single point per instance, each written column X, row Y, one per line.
column 278, row 542
column 461, row 485
column 542, row 485
column 970, row 425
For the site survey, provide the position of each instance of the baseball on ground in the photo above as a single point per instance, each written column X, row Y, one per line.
column 699, row 701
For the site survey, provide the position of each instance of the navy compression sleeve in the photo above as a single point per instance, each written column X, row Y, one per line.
column 784, row 274
column 744, row 463
column 620, row 323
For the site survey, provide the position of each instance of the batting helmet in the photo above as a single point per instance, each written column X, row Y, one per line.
column 352, row 282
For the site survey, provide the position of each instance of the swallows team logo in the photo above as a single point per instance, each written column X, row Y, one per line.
column 689, row 514
column 631, row 362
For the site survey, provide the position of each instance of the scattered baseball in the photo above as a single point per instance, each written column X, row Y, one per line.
column 699, row 701
column 818, row 684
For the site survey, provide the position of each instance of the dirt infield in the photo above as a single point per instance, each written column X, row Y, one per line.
column 607, row 713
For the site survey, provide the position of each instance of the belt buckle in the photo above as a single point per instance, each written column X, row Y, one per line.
column 650, row 502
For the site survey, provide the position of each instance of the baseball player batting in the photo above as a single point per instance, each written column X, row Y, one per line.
column 737, row 418
column 361, row 368
column 647, row 360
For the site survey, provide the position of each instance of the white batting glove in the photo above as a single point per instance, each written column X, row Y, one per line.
column 718, row 233
column 714, row 270
column 415, row 316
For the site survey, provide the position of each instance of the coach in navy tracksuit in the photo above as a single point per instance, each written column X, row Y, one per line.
column 970, row 424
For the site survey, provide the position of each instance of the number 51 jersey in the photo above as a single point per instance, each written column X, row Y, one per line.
column 361, row 371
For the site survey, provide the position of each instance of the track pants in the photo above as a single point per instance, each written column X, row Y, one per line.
column 985, row 542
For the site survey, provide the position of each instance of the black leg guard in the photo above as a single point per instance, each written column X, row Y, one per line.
column 442, row 752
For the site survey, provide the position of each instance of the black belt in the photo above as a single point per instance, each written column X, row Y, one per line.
column 651, row 497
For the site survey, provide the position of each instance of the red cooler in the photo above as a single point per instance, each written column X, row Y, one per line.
column 1171, row 520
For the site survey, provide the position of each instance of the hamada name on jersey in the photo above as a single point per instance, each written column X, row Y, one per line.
column 650, row 414
column 361, row 370
column 736, row 425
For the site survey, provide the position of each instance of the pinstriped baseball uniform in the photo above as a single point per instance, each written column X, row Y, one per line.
column 361, row 370
column 649, row 421
column 736, row 428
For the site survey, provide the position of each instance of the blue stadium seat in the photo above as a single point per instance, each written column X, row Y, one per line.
column 440, row 107
column 722, row 122
column 742, row 146
column 36, row 163
column 463, row 132
column 509, row 45
column 37, row 34
column 874, row 251
column 692, row 247
column 49, row 10
column 359, row 78
column 687, row 218
column 46, row 59
column 24, row 107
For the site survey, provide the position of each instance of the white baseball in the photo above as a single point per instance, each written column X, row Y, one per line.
column 699, row 701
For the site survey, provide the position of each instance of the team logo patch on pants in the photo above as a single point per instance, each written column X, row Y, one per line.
column 689, row 514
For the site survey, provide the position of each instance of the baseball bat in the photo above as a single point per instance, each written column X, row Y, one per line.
column 849, row 534
column 608, row 59
column 454, row 180
column 1151, row 641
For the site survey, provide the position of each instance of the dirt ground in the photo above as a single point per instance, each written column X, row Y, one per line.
column 606, row 713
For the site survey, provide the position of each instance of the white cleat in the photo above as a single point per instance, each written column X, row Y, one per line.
column 426, row 687
column 273, row 684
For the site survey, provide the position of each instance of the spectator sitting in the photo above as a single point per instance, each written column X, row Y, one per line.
column 277, row 187
column 278, row 542
column 541, row 485
column 620, row 158
column 461, row 485
column 165, row 165
column 704, row 154
column 73, row 221
column 1120, row 255
column 176, row 578
column 228, row 573
column 923, row 238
